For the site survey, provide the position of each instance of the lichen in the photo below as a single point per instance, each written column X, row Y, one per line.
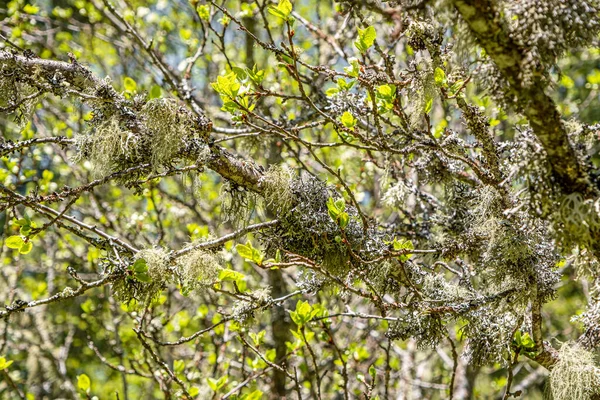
column 199, row 268
column 575, row 376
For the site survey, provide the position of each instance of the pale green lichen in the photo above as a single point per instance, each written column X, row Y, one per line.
column 277, row 190
column 575, row 376
column 108, row 147
column 199, row 268
column 157, row 260
column 170, row 124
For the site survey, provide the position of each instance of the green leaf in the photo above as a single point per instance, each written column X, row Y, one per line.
column 143, row 277
column 230, row 275
column 348, row 120
column 129, row 84
column 140, row 266
column 332, row 208
column 203, row 12
column 283, row 9
column 343, row 220
column 354, row 69
column 25, row 230
column 331, row 91
column 256, row 395
column 372, row 372
column 155, row 92
column 83, row 382
column 179, row 366
column 250, row 253
column 25, row 247
column 216, row 384
column 30, row 9
column 4, row 364
column 14, row 242
column 400, row 245
column 428, row 106
column 440, row 76
column 457, row 85
column 257, row 338
column 340, row 204
column 366, row 38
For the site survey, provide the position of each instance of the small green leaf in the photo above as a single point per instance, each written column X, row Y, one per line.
column 179, row 366
column 343, row 220
column 4, row 364
column 203, row 12
column 30, row 9
column 143, row 277
column 140, row 266
column 331, row 91
column 155, row 92
column 372, row 372
column 400, row 245
column 25, row 247
column 366, row 38
column 230, row 275
column 348, row 120
column 129, row 84
column 14, row 242
column 440, row 76
column 25, row 230
column 332, row 209
column 354, row 69
column 83, row 382
column 244, row 251
column 428, row 106
column 340, row 204
column 216, row 384
column 283, row 9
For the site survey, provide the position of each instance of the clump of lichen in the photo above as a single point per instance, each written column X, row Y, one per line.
column 427, row 329
column 110, row 147
column 199, row 268
column 578, row 220
column 547, row 28
column 157, row 259
column 237, row 203
column 277, row 191
column 489, row 334
column 575, row 376
column 243, row 311
column 157, row 133
column 169, row 125
column 15, row 91
column 156, row 276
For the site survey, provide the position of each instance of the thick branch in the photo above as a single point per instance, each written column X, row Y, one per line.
column 484, row 21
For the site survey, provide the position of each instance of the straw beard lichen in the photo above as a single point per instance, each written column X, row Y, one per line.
column 156, row 132
column 13, row 90
column 277, row 190
column 243, row 310
column 170, row 125
column 575, row 376
column 237, row 203
column 110, row 147
column 157, row 261
column 199, row 268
